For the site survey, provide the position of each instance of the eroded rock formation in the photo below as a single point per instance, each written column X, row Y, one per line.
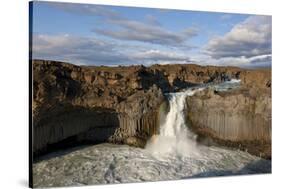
column 91, row 104
column 121, row 104
column 240, row 118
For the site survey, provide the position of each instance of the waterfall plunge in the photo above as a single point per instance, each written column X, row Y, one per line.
column 175, row 137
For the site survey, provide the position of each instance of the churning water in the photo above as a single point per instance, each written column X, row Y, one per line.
column 175, row 137
column 173, row 154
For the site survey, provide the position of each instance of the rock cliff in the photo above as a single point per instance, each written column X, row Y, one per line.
column 239, row 118
column 72, row 104
column 121, row 104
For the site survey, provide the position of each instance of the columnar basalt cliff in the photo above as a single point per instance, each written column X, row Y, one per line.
column 240, row 118
column 121, row 104
column 93, row 104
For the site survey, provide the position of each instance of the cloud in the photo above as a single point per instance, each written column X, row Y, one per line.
column 261, row 61
column 247, row 39
column 256, row 61
column 80, row 50
column 148, row 31
column 93, row 51
column 243, row 62
column 131, row 30
column 121, row 41
column 152, row 20
column 154, row 56
column 85, row 9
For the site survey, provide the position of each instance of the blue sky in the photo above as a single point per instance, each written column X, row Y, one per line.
column 113, row 35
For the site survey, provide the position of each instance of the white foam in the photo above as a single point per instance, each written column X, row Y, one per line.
column 233, row 81
column 175, row 137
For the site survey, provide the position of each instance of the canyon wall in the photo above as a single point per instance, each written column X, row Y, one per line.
column 91, row 104
column 232, row 117
column 240, row 117
column 122, row 104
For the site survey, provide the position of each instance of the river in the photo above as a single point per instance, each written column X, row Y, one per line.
column 173, row 154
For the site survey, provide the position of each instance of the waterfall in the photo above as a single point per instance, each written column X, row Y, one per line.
column 174, row 124
column 175, row 137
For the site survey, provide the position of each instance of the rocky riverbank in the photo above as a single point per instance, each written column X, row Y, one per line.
column 121, row 105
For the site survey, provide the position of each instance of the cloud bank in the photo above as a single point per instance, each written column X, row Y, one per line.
column 248, row 42
column 142, row 32
column 121, row 40
column 148, row 31
column 94, row 51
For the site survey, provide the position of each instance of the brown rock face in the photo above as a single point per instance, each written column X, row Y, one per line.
column 235, row 118
column 122, row 104
column 260, row 79
column 91, row 104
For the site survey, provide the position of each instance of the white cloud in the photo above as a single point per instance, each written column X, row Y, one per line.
column 252, row 62
column 80, row 50
column 247, row 39
column 154, row 56
column 131, row 30
column 148, row 31
column 89, row 50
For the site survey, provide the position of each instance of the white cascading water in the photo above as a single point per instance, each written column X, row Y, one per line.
column 175, row 137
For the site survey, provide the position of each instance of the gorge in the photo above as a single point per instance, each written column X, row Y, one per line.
column 189, row 120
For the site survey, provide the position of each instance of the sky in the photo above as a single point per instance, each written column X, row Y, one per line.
column 87, row 34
